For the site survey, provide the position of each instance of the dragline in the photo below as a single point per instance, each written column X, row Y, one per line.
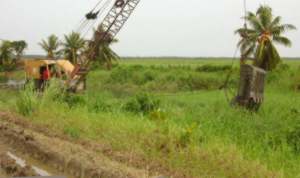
column 106, row 31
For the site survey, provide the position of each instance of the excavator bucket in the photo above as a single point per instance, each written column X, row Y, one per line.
column 251, row 88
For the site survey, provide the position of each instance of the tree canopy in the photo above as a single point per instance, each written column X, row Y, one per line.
column 51, row 47
column 74, row 45
column 258, row 40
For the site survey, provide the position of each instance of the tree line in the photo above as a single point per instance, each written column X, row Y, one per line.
column 70, row 48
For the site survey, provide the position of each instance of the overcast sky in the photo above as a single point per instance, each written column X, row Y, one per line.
column 156, row 28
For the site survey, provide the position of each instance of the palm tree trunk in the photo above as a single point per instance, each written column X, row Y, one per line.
column 108, row 65
column 74, row 57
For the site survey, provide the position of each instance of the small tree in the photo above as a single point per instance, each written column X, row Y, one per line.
column 18, row 47
column 6, row 53
column 51, row 47
column 73, row 46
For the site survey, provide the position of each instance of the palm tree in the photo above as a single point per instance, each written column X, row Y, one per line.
column 51, row 46
column 104, row 54
column 258, row 40
column 19, row 47
column 73, row 46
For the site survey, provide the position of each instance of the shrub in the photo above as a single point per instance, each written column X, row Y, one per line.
column 27, row 101
column 149, row 76
column 100, row 106
column 293, row 139
column 213, row 68
column 74, row 100
column 158, row 115
column 186, row 135
column 31, row 100
column 199, row 82
column 142, row 103
column 120, row 75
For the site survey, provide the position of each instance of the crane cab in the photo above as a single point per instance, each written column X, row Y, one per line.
column 36, row 68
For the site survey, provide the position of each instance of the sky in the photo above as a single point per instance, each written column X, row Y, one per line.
column 194, row 28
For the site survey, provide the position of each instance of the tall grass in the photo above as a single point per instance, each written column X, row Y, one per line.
column 192, row 134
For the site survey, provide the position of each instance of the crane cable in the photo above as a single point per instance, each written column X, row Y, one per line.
column 102, row 9
column 228, row 77
column 245, row 14
column 84, row 22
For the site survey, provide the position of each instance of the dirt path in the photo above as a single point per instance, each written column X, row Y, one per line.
column 2, row 174
column 63, row 156
column 14, row 163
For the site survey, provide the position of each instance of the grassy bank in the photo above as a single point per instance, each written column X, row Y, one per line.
column 170, row 116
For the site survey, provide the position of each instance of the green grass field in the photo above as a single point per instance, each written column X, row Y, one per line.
column 170, row 115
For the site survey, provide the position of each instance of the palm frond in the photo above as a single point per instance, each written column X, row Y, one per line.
column 282, row 40
column 264, row 14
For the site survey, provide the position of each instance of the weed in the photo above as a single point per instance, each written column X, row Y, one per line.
column 74, row 100
column 28, row 100
column 142, row 103
column 72, row 132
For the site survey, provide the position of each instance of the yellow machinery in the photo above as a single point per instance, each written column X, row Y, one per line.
column 61, row 69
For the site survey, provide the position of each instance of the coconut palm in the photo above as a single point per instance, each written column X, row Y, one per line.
column 258, row 39
column 19, row 47
column 73, row 46
column 51, row 47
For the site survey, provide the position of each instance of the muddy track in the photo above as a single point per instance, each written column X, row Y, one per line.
column 64, row 156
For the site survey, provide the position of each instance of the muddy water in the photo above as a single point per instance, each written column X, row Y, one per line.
column 24, row 160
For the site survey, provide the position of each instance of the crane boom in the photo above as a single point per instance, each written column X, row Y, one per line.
column 105, row 33
column 117, row 17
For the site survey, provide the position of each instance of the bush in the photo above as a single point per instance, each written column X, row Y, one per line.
column 293, row 139
column 31, row 100
column 199, row 82
column 74, row 100
column 27, row 101
column 142, row 103
column 213, row 68
column 120, row 75
column 100, row 106
column 158, row 115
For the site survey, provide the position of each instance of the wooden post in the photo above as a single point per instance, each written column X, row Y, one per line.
column 251, row 87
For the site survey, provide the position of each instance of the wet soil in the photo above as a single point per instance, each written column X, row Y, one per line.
column 62, row 155
column 11, row 165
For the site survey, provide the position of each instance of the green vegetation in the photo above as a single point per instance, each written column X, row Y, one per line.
column 51, row 47
column 258, row 40
column 73, row 46
column 10, row 53
column 171, row 114
column 104, row 54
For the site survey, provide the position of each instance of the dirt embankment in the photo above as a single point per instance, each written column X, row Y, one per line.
column 66, row 157
column 11, row 168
